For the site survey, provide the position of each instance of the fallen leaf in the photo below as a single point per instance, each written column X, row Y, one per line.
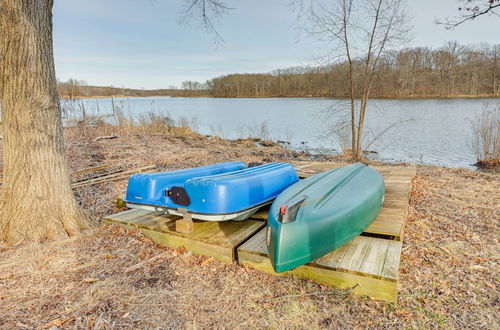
column 57, row 323
column 107, row 256
column 207, row 261
column 90, row 279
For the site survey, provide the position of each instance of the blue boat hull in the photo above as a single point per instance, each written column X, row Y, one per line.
column 219, row 192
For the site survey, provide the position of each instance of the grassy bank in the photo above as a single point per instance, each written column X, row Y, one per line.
column 112, row 277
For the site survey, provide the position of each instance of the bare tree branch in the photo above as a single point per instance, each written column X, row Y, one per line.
column 207, row 10
column 380, row 134
column 470, row 11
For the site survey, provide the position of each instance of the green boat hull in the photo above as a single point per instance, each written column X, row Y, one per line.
column 321, row 213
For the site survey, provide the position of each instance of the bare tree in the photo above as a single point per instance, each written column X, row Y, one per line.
column 358, row 31
column 470, row 10
column 36, row 202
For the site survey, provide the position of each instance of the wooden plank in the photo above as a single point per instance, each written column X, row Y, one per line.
column 340, row 268
column 388, row 172
column 359, row 285
column 217, row 252
column 149, row 220
column 261, row 214
column 356, row 254
column 127, row 216
column 392, row 259
column 216, row 239
column 373, row 261
column 396, row 198
column 184, row 226
column 392, row 218
column 393, row 212
column 257, row 244
column 363, row 255
column 387, row 225
column 333, row 259
column 243, row 233
column 121, row 215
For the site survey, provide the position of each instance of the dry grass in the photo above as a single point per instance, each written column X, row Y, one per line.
column 169, row 147
column 112, row 277
column 449, row 272
column 486, row 138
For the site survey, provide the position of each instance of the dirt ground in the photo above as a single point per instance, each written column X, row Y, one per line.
column 113, row 277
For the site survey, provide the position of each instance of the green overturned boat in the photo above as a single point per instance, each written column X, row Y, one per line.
column 321, row 213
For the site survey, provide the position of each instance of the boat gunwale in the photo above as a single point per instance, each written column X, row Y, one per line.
column 268, row 201
column 243, row 173
column 186, row 170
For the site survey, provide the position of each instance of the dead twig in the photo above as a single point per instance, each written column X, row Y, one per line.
column 106, row 137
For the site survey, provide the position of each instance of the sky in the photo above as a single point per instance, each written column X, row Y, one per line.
column 149, row 44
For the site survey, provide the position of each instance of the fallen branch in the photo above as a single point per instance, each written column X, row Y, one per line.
column 113, row 177
column 90, row 169
column 106, row 137
column 99, row 176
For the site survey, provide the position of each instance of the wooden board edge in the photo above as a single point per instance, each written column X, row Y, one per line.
column 257, row 223
column 382, row 234
column 251, row 234
column 124, row 223
column 222, row 254
column 243, row 249
column 379, row 289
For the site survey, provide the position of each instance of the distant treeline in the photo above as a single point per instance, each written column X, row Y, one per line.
column 79, row 89
column 452, row 70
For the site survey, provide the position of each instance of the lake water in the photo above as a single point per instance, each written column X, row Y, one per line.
column 428, row 131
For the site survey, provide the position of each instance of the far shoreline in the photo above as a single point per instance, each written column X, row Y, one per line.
column 416, row 97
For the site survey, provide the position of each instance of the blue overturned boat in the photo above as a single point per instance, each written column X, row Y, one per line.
column 218, row 192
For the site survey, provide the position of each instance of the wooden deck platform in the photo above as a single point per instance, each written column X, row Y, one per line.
column 215, row 239
column 368, row 264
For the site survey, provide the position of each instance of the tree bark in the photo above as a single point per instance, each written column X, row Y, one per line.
column 36, row 202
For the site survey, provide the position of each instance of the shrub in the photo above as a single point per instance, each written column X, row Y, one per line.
column 486, row 136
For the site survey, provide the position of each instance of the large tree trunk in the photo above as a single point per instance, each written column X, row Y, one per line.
column 36, row 202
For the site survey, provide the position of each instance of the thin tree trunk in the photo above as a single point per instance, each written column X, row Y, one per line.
column 367, row 78
column 36, row 202
column 346, row 9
